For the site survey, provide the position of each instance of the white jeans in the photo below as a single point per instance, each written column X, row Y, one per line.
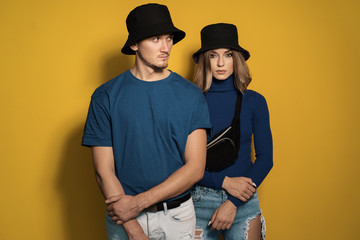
column 174, row 224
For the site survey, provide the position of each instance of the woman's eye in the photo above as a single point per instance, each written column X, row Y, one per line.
column 212, row 55
column 155, row 39
column 229, row 55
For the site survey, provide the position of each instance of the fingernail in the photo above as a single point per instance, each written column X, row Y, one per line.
column 209, row 223
column 254, row 185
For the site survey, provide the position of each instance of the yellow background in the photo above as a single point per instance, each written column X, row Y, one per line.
column 304, row 60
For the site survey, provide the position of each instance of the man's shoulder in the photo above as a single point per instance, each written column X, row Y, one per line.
column 181, row 81
column 107, row 87
column 180, row 78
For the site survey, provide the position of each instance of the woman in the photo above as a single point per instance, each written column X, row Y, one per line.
column 226, row 201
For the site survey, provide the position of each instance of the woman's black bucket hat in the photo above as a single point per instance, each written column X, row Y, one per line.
column 220, row 35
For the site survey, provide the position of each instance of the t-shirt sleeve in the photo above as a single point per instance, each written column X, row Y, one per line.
column 97, row 130
column 200, row 115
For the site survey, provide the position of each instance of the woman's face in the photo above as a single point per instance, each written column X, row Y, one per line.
column 221, row 62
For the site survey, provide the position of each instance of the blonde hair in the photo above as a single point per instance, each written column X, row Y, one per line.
column 203, row 76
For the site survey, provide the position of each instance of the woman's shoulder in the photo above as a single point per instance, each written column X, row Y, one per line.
column 255, row 101
column 253, row 95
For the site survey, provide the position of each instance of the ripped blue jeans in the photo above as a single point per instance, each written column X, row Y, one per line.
column 173, row 224
column 207, row 200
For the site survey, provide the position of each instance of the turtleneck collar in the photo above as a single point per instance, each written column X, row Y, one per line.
column 222, row 85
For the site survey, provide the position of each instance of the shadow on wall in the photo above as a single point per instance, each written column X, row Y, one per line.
column 190, row 68
column 83, row 203
column 114, row 64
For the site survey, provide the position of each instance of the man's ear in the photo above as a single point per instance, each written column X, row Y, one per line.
column 134, row 47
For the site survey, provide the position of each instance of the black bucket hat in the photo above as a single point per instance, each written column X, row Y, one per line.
column 147, row 21
column 220, row 35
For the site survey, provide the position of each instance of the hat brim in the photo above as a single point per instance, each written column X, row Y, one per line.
column 151, row 32
column 244, row 52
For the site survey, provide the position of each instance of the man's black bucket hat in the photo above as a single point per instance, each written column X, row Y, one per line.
column 147, row 21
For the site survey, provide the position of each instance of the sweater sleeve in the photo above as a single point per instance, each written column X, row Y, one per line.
column 262, row 142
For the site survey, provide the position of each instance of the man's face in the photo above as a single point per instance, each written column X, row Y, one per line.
column 154, row 52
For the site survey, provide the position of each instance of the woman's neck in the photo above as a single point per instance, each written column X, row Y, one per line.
column 222, row 85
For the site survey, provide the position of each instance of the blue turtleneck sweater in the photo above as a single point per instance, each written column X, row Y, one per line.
column 254, row 121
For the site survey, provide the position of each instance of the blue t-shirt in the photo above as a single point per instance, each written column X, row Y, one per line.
column 254, row 125
column 147, row 124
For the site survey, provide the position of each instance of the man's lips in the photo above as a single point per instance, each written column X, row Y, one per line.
column 164, row 57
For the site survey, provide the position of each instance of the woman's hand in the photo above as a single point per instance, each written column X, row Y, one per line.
column 223, row 216
column 242, row 188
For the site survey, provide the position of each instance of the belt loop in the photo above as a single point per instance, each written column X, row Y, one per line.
column 165, row 208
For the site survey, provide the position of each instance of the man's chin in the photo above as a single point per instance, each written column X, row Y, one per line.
column 160, row 68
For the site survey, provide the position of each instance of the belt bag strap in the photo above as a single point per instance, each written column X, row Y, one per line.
column 235, row 124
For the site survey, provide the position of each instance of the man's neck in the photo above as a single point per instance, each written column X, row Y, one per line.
column 149, row 74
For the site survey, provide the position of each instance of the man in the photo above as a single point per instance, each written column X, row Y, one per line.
column 146, row 128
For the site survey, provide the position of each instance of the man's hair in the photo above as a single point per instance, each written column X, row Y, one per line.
column 203, row 76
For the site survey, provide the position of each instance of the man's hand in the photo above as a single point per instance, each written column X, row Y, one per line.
column 122, row 208
column 242, row 188
column 223, row 216
column 134, row 230
column 139, row 237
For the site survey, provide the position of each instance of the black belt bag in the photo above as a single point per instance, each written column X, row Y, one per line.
column 223, row 148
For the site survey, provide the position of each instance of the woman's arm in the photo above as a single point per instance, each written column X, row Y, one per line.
column 263, row 146
column 262, row 142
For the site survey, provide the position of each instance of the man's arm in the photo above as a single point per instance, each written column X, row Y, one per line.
column 104, row 166
column 126, row 207
column 110, row 186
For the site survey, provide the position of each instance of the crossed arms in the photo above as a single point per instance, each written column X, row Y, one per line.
column 125, row 208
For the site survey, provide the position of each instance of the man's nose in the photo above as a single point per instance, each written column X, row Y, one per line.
column 165, row 45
